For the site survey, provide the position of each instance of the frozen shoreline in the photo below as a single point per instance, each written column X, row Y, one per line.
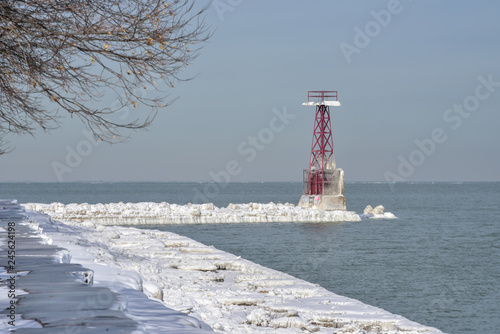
column 164, row 213
column 54, row 285
column 230, row 294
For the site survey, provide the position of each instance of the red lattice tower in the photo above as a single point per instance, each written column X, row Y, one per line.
column 322, row 157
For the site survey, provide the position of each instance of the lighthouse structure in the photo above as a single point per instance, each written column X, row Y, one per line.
column 323, row 182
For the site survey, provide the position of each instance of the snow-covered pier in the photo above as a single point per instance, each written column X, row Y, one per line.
column 95, row 277
column 149, row 213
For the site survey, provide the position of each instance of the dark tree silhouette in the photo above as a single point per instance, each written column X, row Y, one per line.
column 61, row 56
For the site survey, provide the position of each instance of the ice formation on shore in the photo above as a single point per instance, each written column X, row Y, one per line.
column 165, row 213
column 51, row 284
column 230, row 294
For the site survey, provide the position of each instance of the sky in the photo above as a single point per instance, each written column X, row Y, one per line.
column 419, row 84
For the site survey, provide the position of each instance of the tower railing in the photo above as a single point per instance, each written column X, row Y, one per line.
column 322, row 95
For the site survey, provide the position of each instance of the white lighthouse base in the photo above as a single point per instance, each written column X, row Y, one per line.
column 323, row 202
column 332, row 198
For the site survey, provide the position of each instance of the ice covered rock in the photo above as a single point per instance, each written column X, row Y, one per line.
column 152, row 289
column 259, row 317
column 232, row 206
column 377, row 213
column 208, row 206
column 378, row 210
column 195, row 212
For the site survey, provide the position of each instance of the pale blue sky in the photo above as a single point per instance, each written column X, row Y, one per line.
column 397, row 82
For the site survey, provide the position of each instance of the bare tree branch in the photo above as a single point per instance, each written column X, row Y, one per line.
column 64, row 55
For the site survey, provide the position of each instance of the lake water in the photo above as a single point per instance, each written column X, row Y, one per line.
column 438, row 264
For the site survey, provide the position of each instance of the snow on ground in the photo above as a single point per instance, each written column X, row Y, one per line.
column 230, row 294
column 47, row 286
column 165, row 213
